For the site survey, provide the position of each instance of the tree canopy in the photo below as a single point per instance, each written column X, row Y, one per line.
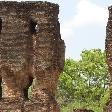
column 84, row 82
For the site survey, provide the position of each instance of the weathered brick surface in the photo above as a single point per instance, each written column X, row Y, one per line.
column 108, row 49
column 31, row 48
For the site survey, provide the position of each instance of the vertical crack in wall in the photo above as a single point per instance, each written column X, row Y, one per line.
column 0, row 25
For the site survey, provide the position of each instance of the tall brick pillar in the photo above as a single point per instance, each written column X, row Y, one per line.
column 108, row 49
column 31, row 49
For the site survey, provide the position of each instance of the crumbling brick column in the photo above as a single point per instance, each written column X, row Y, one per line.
column 31, row 49
column 108, row 49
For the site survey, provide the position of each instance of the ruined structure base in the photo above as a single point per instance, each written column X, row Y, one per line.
column 9, row 105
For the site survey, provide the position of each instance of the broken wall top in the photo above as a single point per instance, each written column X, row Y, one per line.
column 29, row 5
column 18, row 41
column 25, row 8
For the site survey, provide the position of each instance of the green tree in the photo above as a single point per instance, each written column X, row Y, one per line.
column 84, row 83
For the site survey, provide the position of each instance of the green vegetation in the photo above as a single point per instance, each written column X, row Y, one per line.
column 84, row 83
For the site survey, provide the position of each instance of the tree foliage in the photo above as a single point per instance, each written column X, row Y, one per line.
column 84, row 83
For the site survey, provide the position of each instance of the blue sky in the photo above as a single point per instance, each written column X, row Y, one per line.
column 84, row 28
column 83, row 24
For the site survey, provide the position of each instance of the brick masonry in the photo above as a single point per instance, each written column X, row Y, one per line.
column 31, row 49
column 108, row 49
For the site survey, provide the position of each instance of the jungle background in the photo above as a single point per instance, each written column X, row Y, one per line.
column 84, row 83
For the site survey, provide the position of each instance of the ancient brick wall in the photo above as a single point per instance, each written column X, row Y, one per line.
column 31, row 49
column 108, row 49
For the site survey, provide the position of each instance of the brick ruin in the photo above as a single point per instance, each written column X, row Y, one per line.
column 108, row 49
column 31, row 49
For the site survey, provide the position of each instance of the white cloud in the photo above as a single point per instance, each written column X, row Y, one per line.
column 87, row 13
